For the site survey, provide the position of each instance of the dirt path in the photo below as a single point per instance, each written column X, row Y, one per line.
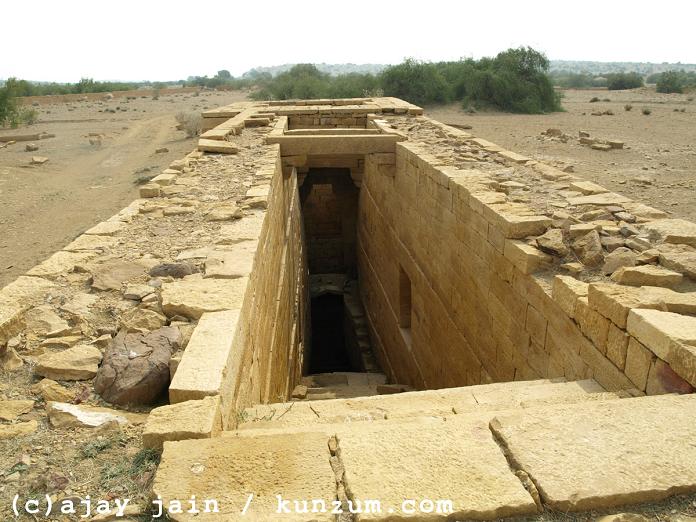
column 42, row 208
column 657, row 167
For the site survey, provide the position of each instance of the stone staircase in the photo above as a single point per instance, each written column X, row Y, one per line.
column 494, row 450
column 345, row 385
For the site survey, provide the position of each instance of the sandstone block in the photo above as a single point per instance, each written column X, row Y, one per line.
column 566, row 292
column 594, row 325
column 198, row 419
column 673, row 231
column 78, row 363
column 11, row 409
column 638, row 362
column 193, row 297
column 617, row 346
column 588, row 248
column 63, row 415
column 663, row 379
column 525, row 257
column 206, row 361
column 601, row 454
column 51, row 391
column 150, row 190
column 647, row 275
column 106, row 228
column 19, row 429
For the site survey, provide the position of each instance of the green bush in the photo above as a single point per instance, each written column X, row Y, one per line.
column 669, row 82
column 646, row 111
column 8, row 104
column 515, row 81
column 619, row 81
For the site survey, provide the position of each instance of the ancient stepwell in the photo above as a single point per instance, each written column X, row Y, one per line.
column 378, row 306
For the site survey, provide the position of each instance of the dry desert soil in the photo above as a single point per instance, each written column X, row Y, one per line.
column 44, row 207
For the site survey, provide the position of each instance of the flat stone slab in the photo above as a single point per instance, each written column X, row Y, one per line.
column 186, row 420
column 106, row 228
column 229, row 469
column 601, row 454
column 233, row 263
column 673, row 231
column 605, row 198
column 670, row 336
column 192, row 297
column 74, row 364
column 207, row 359
column 60, row 263
column 87, row 242
column 456, row 460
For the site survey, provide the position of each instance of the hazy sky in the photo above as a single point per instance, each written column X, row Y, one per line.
column 168, row 40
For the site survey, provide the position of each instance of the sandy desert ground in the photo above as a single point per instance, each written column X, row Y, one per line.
column 44, row 207
column 657, row 165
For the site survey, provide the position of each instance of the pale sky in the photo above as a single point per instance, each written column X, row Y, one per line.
column 169, row 40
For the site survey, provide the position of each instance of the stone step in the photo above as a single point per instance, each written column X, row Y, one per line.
column 319, row 380
column 582, row 456
column 429, row 403
column 348, row 392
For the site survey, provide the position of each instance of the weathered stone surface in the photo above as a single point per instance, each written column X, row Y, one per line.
column 601, row 454
column 670, row 336
column 225, row 212
column 647, row 275
column 552, row 243
column 587, row 187
column 229, row 468
column 663, row 379
column 80, row 305
column 605, row 198
column 26, row 290
column 457, row 460
column 19, row 429
column 639, row 359
column 525, row 257
column 64, row 415
column 192, row 297
column 142, row 320
column 233, row 263
column 684, row 262
column 618, row 258
column 11, row 409
column 566, row 292
column 60, row 263
column 175, row 270
column 589, row 249
column 113, row 274
column 673, row 231
column 9, row 360
column 198, row 419
column 87, row 242
column 106, row 228
column 74, row 364
column 206, row 361
column 615, row 301
column 50, row 390
column 43, row 321
column 11, row 321
column 135, row 369
column 137, row 292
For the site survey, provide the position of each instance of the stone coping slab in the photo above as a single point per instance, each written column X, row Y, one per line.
column 603, row 454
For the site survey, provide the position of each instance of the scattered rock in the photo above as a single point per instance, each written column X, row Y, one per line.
column 552, row 242
column 620, row 257
column 50, row 390
column 10, row 410
column 64, row 415
column 74, row 364
column 175, row 270
column 38, row 160
column 573, row 268
column 647, row 275
column 137, row 292
column 588, row 248
column 142, row 320
column 299, row 392
column 9, row 360
column 31, row 147
column 226, row 212
column 161, row 150
column 111, row 275
column 19, row 429
column 44, row 322
column 135, row 369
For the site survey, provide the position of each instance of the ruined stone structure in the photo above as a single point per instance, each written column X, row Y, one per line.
column 391, row 308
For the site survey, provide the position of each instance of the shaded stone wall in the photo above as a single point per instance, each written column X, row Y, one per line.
column 270, row 336
column 451, row 300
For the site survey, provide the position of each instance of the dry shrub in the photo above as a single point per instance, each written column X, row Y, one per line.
column 190, row 123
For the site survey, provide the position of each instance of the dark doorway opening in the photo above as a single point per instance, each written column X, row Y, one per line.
column 329, row 353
